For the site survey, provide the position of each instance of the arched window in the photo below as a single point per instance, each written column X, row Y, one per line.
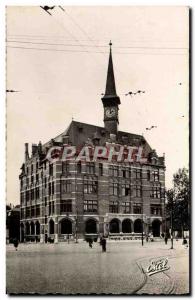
column 156, row 228
column 66, row 226
column 90, row 226
column 51, row 226
column 114, row 226
column 37, row 224
column 138, row 226
column 32, row 227
column 126, row 226
column 27, row 228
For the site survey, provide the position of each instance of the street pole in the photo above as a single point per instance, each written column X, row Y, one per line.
column 172, row 224
column 76, row 236
column 76, row 219
column 165, row 217
column 142, row 218
column 142, row 231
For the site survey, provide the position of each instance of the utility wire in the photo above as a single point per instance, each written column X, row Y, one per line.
column 85, row 33
column 63, row 36
column 81, row 29
column 65, row 50
column 98, row 46
column 72, row 35
column 47, row 49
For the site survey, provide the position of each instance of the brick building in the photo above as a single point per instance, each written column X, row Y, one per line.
column 61, row 199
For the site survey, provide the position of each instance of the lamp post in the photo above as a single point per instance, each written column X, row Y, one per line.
column 67, row 215
column 76, row 228
column 142, row 212
column 165, row 213
column 76, row 217
column 172, row 223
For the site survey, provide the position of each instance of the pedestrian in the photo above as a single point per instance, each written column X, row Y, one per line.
column 90, row 243
column 151, row 237
column 146, row 237
column 103, row 243
column 46, row 237
column 166, row 238
column 15, row 242
column 185, row 243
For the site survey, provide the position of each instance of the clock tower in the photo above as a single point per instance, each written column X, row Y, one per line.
column 110, row 100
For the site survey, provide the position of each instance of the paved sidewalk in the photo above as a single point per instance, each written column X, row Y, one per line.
column 75, row 268
column 175, row 280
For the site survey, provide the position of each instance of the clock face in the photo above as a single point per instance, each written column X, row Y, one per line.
column 110, row 112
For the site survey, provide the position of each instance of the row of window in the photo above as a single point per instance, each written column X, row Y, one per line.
column 30, row 195
column 155, row 209
column 91, row 187
column 91, row 206
column 34, row 179
column 90, row 169
column 32, row 168
column 113, row 171
column 34, row 194
column 31, row 181
column 33, row 211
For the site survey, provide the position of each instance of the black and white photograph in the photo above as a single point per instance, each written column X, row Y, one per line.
column 97, row 150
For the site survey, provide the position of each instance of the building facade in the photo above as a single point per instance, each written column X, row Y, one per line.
column 76, row 199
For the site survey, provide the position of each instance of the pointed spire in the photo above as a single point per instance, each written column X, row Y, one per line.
column 110, row 92
column 110, row 83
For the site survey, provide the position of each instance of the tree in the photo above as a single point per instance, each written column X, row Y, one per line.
column 179, row 201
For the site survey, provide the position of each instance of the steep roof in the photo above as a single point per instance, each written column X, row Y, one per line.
column 110, row 92
column 110, row 82
column 79, row 133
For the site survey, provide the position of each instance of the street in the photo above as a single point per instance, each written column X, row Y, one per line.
column 75, row 268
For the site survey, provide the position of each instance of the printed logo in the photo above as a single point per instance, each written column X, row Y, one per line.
column 157, row 265
column 89, row 153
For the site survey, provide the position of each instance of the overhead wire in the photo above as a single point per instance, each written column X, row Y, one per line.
column 87, row 51
column 98, row 46
column 79, row 41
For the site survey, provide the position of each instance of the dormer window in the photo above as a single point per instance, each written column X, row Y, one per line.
column 80, row 128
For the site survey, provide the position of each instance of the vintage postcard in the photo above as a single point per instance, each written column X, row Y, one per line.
column 98, row 193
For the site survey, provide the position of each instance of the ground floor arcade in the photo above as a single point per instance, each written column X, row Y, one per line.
column 63, row 227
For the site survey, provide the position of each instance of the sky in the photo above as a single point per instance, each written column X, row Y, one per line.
column 62, row 75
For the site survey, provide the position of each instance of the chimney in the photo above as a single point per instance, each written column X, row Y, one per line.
column 34, row 149
column 40, row 148
column 26, row 154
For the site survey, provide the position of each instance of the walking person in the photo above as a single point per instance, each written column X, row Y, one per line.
column 146, row 237
column 90, row 243
column 103, row 243
column 15, row 242
column 166, row 238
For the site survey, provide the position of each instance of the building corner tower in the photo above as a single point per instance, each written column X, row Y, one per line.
column 110, row 100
